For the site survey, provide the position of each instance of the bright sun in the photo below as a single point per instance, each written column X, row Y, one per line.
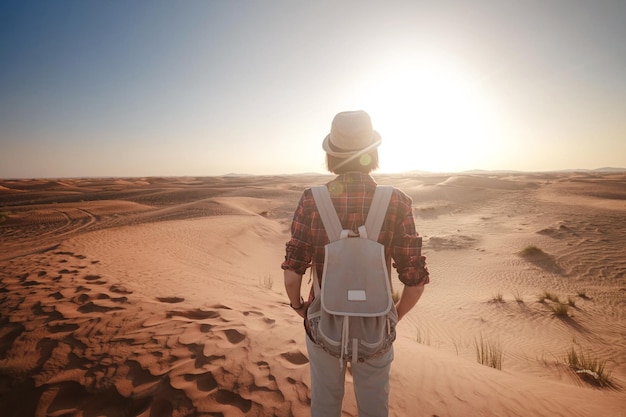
column 432, row 117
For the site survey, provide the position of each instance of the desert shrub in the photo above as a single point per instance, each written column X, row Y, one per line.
column 4, row 215
column 560, row 309
column 571, row 302
column 497, row 298
column 518, row 297
column 531, row 251
column 488, row 353
column 543, row 260
column 589, row 368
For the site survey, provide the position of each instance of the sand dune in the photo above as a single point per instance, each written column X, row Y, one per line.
column 163, row 297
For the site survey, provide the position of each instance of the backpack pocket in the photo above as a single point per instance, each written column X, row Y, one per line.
column 387, row 332
column 326, row 331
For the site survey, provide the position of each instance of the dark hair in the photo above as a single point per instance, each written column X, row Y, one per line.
column 365, row 163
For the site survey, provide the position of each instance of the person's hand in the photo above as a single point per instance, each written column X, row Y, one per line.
column 302, row 310
column 408, row 299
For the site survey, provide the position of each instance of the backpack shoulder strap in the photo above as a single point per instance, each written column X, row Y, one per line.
column 378, row 209
column 325, row 207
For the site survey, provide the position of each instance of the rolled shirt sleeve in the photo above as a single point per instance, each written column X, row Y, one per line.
column 407, row 247
column 298, row 250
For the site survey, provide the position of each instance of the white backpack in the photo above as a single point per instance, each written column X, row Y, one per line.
column 353, row 316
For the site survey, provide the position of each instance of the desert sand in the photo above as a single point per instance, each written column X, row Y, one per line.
column 162, row 297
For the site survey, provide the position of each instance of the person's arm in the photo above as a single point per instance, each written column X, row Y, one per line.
column 298, row 256
column 293, row 282
column 409, row 262
column 410, row 296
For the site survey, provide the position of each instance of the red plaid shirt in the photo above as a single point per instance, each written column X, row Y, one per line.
column 352, row 195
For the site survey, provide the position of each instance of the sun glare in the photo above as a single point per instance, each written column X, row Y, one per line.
column 432, row 117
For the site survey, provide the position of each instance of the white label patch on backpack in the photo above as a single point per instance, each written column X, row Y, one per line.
column 353, row 316
column 357, row 295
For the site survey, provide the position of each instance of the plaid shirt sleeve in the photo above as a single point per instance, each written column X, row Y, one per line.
column 406, row 250
column 299, row 250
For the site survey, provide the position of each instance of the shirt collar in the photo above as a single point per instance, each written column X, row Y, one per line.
column 355, row 177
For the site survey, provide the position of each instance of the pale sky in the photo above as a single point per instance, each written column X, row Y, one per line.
column 176, row 88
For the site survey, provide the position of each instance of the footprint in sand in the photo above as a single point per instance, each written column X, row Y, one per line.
column 63, row 328
column 200, row 360
column 234, row 399
column 70, row 254
column 92, row 277
column 81, row 299
column 56, row 295
column 49, row 312
column 262, row 324
column 264, row 380
column 103, row 296
column 295, row 357
column 234, row 336
column 10, row 332
column 205, row 327
column 171, row 300
column 195, row 314
column 301, row 389
column 91, row 307
column 95, row 279
column 120, row 289
column 205, row 382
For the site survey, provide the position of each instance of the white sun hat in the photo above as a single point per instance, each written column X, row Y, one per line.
column 351, row 135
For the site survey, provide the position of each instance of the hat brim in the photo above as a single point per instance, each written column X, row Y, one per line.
column 351, row 154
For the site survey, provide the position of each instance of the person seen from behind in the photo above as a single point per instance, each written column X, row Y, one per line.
column 352, row 154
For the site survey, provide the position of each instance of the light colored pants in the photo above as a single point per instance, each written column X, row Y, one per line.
column 371, row 383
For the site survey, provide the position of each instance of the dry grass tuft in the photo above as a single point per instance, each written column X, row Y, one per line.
column 488, row 353
column 590, row 369
column 550, row 296
column 266, row 282
column 422, row 339
column 497, row 298
column 560, row 310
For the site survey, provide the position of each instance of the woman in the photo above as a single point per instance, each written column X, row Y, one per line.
column 351, row 153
